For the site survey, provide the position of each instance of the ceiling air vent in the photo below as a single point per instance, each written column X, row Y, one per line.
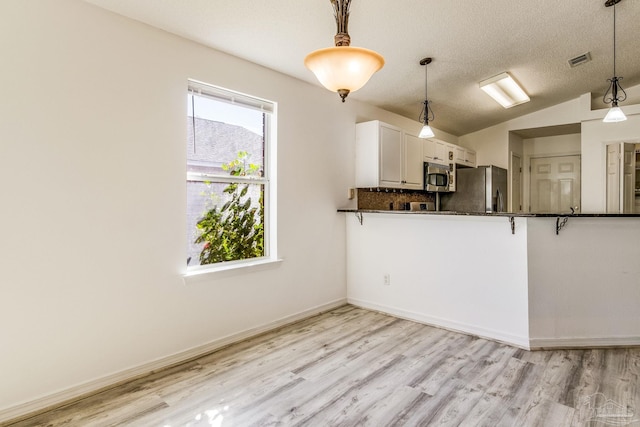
column 580, row 59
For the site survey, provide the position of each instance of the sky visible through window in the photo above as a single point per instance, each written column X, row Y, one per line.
column 224, row 112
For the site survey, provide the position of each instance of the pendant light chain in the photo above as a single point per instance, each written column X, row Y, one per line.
column 427, row 113
column 426, row 83
column 612, row 96
column 615, row 93
column 614, row 40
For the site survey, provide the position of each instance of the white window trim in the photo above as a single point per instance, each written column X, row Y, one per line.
column 223, row 270
column 218, row 270
column 198, row 176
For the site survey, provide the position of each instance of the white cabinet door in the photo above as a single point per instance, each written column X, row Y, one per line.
column 390, row 157
column 437, row 151
column 470, row 158
column 442, row 153
column 428, row 149
column 413, row 162
column 464, row 156
column 459, row 155
column 379, row 155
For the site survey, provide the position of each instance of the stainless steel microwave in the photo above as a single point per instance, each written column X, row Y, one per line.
column 437, row 178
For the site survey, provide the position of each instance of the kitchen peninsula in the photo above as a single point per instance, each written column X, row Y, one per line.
column 530, row 280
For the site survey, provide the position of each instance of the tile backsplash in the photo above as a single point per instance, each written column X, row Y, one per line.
column 390, row 198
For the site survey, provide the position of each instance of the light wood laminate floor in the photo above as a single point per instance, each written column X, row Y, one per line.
column 353, row 367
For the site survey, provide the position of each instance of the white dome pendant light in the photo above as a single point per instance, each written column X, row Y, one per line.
column 343, row 68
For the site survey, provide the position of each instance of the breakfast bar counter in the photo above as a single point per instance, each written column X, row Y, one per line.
column 530, row 280
column 502, row 214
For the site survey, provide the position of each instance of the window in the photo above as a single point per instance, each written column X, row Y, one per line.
column 228, row 176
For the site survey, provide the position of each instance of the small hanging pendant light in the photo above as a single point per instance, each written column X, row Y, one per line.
column 615, row 93
column 343, row 68
column 427, row 112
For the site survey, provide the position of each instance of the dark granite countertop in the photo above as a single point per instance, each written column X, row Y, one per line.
column 501, row 214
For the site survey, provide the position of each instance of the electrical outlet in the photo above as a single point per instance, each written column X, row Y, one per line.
column 352, row 193
column 387, row 279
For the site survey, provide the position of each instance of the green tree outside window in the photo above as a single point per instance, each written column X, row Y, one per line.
column 236, row 230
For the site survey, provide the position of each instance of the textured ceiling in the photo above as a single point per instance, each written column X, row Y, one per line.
column 469, row 40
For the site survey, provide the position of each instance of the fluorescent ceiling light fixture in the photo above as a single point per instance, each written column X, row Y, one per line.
column 504, row 90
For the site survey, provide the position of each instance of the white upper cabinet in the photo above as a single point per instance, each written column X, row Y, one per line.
column 429, row 150
column 442, row 152
column 387, row 157
column 458, row 155
column 470, row 157
column 437, row 151
column 464, row 156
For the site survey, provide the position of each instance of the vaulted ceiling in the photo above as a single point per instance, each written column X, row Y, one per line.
column 469, row 40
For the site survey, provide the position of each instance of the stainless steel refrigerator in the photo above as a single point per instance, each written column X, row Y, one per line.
column 481, row 189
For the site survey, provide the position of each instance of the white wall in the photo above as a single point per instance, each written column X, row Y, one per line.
column 516, row 148
column 532, row 288
column 92, row 179
column 557, row 145
column 463, row 273
column 492, row 144
column 583, row 282
column 368, row 112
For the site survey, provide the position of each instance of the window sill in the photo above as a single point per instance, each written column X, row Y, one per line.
column 230, row 269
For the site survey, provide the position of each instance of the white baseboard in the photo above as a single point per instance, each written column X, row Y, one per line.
column 594, row 342
column 76, row 392
column 514, row 340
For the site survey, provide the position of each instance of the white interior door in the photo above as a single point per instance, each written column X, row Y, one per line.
column 628, row 178
column 621, row 178
column 613, row 178
column 516, row 183
column 555, row 184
